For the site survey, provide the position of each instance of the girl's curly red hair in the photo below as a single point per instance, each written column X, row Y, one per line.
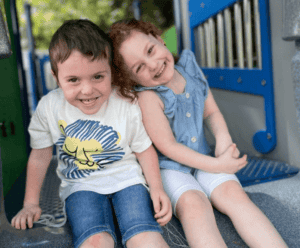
column 119, row 32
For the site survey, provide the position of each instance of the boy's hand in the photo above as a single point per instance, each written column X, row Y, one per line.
column 27, row 215
column 162, row 206
column 229, row 161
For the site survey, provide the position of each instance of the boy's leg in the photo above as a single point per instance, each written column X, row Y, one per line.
column 135, row 215
column 252, row 225
column 91, row 220
column 193, row 209
column 99, row 240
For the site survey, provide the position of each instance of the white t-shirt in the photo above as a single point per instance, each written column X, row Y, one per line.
column 95, row 152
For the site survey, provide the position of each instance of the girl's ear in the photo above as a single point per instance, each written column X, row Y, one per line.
column 55, row 78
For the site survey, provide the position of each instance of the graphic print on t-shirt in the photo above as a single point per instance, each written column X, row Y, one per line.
column 86, row 146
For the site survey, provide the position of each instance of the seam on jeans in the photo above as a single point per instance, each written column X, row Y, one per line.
column 105, row 230
column 138, row 226
column 159, row 231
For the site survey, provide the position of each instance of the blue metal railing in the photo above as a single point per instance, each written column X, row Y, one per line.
column 252, row 81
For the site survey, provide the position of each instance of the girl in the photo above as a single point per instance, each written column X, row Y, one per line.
column 175, row 102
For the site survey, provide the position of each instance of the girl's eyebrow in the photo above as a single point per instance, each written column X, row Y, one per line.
column 144, row 52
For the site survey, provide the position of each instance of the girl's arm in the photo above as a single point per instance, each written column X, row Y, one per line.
column 38, row 163
column 162, row 206
column 215, row 121
column 159, row 130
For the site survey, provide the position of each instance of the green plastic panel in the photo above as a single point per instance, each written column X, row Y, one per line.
column 12, row 138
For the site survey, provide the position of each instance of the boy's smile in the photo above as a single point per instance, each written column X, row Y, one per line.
column 150, row 62
column 86, row 84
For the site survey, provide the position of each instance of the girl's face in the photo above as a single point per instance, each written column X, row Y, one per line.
column 86, row 84
column 148, row 59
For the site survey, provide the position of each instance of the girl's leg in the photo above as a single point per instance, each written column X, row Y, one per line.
column 251, row 224
column 197, row 218
column 192, row 208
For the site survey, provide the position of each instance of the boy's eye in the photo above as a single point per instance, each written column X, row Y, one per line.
column 73, row 80
column 98, row 77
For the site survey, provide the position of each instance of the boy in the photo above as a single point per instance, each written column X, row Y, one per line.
column 99, row 135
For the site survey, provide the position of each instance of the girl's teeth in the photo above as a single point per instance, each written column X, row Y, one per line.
column 161, row 70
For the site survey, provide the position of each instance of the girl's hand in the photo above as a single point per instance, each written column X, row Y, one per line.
column 229, row 161
column 222, row 144
column 27, row 215
column 162, row 206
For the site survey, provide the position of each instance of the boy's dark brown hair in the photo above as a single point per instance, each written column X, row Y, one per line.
column 82, row 35
column 119, row 32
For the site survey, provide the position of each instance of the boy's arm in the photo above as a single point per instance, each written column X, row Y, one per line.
column 161, row 134
column 38, row 163
column 162, row 206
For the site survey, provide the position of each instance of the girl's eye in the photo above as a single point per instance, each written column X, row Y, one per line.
column 139, row 68
column 150, row 50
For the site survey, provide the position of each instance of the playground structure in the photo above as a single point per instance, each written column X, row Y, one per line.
column 249, row 52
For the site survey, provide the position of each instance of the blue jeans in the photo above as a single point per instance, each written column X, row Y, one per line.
column 90, row 213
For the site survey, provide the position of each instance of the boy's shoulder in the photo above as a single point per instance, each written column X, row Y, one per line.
column 52, row 98
column 118, row 98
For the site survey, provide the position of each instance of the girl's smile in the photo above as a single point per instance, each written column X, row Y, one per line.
column 150, row 62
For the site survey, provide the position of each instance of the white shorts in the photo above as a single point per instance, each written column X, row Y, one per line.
column 176, row 183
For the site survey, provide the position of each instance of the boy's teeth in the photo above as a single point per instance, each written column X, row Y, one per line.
column 88, row 100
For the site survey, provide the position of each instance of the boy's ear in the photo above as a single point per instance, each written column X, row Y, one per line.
column 55, row 78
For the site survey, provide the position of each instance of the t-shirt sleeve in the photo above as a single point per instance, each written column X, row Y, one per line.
column 40, row 135
column 140, row 140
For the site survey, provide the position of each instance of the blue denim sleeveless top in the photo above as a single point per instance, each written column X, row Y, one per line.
column 185, row 111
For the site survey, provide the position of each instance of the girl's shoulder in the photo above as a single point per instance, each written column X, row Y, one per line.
column 149, row 97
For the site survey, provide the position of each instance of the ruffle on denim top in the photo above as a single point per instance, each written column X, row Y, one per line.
column 185, row 111
column 188, row 68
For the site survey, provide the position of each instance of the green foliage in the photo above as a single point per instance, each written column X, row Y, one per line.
column 48, row 15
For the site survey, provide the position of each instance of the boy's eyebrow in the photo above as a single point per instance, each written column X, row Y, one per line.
column 99, row 72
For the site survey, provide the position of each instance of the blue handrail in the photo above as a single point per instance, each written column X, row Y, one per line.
column 252, row 81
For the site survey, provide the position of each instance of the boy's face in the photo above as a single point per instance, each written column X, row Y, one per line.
column 86, row 84
column 149, row 60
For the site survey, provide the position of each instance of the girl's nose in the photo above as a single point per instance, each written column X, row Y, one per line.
column 152, row 64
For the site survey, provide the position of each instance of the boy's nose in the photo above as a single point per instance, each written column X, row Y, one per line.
column 87, row 88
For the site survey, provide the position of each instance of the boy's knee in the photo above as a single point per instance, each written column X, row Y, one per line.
column 147, row 240
column 99, row 240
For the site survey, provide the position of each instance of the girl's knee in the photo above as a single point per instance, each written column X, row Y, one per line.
column 99, row 240
column 228, row 196
column 192, row 200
